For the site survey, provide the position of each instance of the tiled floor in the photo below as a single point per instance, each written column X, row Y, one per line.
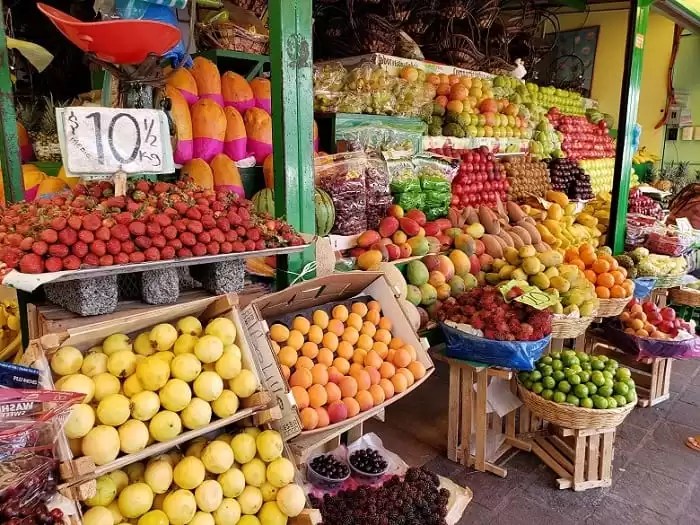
column 656, row 478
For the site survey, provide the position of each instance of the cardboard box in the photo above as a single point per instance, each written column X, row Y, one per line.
column 320, row 292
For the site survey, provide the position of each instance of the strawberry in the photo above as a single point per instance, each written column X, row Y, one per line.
column 128, row 247
column 208, row 222
column 238, row 246
column 103, row 233
column 58, row 223
column 217, row 235
column 31, row 263
column 92, row 222
column 86, row 236
column 167, row 252
column 121, row 258
column 106, row 260
column 170, row 232
column 40, row 247
column 223, row 224
column 181, row 225
column 195, row 227
column 58, row 250
column 163, row 220
column 79, row 249
column 181, row 208
column 120, row 232
column 226, row 247
column 114, row 246
column 159, row 241
column 137, row 257
column 153, row 229
column 213, row 248
column 26, row 244
column 75, row 222
column 233, row 218
column 137, row 228
column 49, row 236
column 260, row 245
column 68, row 236
column 152, row 254
column 143, row 185
column 91, row 260
column 188, row 239
column 249, row 245
column 98, row 247
column 161, row 187
column 199, row 249
column 143, row 242
column 231, row 236
column 71, row 263
column 54, row 264
column 204, row 237
column 194, row 214
column 183, row 253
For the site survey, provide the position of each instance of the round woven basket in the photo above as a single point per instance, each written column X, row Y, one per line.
column 566, row 328
column 612, row 307
column 686, row 296
column 232, row 37
column 570, row 416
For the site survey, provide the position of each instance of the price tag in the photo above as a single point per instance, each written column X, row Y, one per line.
column 531, row 296
column 100, row 141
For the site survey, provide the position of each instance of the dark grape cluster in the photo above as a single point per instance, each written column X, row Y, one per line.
column 330, row 467
column 568, row 177
column 23, row 502
column 369, row 461
column 415, row 500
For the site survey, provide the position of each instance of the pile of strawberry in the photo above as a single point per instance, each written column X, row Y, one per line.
column 152, row 222
column 485, row 309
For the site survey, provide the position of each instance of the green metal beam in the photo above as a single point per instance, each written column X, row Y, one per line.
column 292, row 122
column 629, row 104
column 9, row 143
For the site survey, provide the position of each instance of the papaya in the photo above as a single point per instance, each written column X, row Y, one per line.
column 237, row 92
column 180, row 113
column 226, row 175
column 258, row 126
column 262, row 93
column 208, row 129
column 199, row 172
column 268, row 172
column 182, row 80
column 235, row 140
column 25, row 145
column 32, row 177
column 206, row 74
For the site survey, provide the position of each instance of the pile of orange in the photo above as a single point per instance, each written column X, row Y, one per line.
column 457, row 93
column 608, row 277
column 343, row 363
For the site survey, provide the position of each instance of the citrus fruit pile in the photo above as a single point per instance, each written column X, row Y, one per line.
column 608, row 277
column 341, row 364
column 579, row 379
column 233, row 479
column 169, row 378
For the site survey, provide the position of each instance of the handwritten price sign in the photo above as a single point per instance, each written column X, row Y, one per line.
column 99, row 140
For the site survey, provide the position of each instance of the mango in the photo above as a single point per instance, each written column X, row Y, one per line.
column 512, row 256
column 540, row 280
column 457, row 285
column 470, row 282
column 370, row 260
column 436, row 279
column 417, row 273
column 428, row 294
column 434, row 245
column 388, row 226
column 368, row 238
column 466, row 244
column 417, row 216
column 460, row 261
column 531, row 265
column 527, row 251
column 413, row 295
column 409, row 226
column 419, row 245
column 560, row 283
column 551, row 258
column 443, row 291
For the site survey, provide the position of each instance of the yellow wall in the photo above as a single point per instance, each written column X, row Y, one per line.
column 610, row 54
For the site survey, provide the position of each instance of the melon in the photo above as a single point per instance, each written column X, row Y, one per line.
column 264, row 202
column 325, row 212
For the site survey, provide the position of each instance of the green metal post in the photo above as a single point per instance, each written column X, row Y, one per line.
column 629, row 104
column 9, row 143
column 292, row 122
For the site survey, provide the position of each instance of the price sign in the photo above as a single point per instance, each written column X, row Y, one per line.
column 96, row 140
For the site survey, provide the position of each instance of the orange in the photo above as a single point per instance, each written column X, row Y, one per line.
column 359, row 309
column 340, row 312
column 315, row 334
column 336, row 326
column 368, row 329
column 319, row 373
column 591, row 275
column 304, row 362
column 320, row 319
column 330, row 341
column 623, row 271
column 301, row 324
column 351, row 335
column 309, row 350
column 342, row 365
column 466, row 82
column 618, row 292
column 617, row 275
column 432, row 78
column 605, row 279
column 457, row 106
column 325, row 356
column 345, row 350
column 578, row 263
column 317, row 396
column 287, row 356
column 355, row 321
column 301, row 377
column 586, row 249
column 614, row 265
column 588, row 257
column 570, row 254
column 385, row 323
column 383, row 336
column 601, row 266
column 301, row 397
column 444, row 78
column 602, row 292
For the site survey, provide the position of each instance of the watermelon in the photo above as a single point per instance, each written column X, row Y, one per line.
column 325, row 212
column 264, row 202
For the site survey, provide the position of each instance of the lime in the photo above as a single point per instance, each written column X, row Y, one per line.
column 585, row 376
column 611, row 402
column 575, row 369
column 547, row 360
column 621, row 400
column 586, row 366
column 547, row 370
column 587, row 402
column 623, row 374
column 558, row 375
column 537, row 388
column 583, row 357
column 600, row 402
column 564, row 386
column 608, row 374
column 597, row 364
column 571, row 361
column 528, row 384
column 592, row 388
column 598, row 378
column 535, row 375
column 630, row 383
column 557, row 364
column 609, row 382
column 555, row 355
column 581, row 391
column 523, row 376
column 547, row 394
column 549, row 382
column 568, row 354
column 572, row 400
column 605, row 391
column 621, row 388
column 559, row 397
column 574, row 379
column 604, row 358
column 612, row 364
column 631, row 396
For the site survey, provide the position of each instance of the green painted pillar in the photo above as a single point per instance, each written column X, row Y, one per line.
column 292, row 122
column 9, row 144
column 629, row 103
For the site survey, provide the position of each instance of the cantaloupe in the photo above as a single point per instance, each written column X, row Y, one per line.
column 182, row 80
column 208, row 129
column 262, row 93
column 198, row 172
column 258, row 126
column 206, row 74
column 237, row 92
column 226, row 175
column 180, row 113
column 236, row 140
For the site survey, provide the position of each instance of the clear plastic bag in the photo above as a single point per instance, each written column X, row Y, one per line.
column 329, row 76
column 26, row 481
column 403, row 176
column 342, row 176
column 410, row 200
column 376, row 176
column 377, row 208
column 433, row 167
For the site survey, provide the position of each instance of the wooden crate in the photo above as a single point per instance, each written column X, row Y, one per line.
column 652, row 375
column 581, row 458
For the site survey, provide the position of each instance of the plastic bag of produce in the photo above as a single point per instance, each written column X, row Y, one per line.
column 648, row 347
column 403, row 177
column 519, row 355
column 377, row 208
column 409, row 200
column 342, row 176
column 376, row 176
column 26, row 479
column 329, row 76
column 643, row 286
column 435, row 212
column 435, row 171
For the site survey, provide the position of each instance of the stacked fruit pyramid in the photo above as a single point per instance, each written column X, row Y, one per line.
column 341, row 364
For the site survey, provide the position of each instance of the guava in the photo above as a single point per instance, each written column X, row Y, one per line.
column 254, row 472
column 185, row 344
column 186, row 367
column 270, row 445
column 280, row 472
column 197, row 414
column 153, row 373
column 225, row 405
column 122, row 363
column 208, row 349
column 78, row 383
column 120, row 479
column 105, row 492
column 153, row 517
column 270, row 514
column 94, row 363
column 244, row 384
column 232, row 482
column 189, row 325
column 250, row 500
column 165, row 425
column 66, row 361
column 162, row 337
column 180, row 507
column 175, row 395
column 80, row 421
column 131, row 386
column 113, row 410
column 209, row 495
column 142, row 345
column 189, row 473
column 208, row 386
column 98, row 516
column 269, row 491
column 291, row 500
column 135, row 500
column 101, row 444
column 133, row 436
column 116, row 343
column 228, row 512
column 217, row 457
column 222, row 328
column 145, row 405
column 244, row 448
column 202, row 518
column 229, row 365
column 105, row 385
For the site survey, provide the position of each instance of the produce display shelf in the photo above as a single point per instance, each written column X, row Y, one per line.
column 30, row 282
column 249, row 65
column 519, row 145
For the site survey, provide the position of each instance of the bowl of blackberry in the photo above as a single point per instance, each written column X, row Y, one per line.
column 368, row 463
column 327, row 471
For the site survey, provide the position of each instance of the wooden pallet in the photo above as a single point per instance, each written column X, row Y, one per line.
column 581, row 458
column 652, row 375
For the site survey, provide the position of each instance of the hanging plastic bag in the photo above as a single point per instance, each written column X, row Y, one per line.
column 403, row 176
column 342, row 176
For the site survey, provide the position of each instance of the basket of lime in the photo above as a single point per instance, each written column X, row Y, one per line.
column 579, row 391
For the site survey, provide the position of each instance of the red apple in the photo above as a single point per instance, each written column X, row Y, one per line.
column 668, row 313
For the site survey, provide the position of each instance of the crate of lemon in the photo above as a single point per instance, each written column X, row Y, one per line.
column 150, row 382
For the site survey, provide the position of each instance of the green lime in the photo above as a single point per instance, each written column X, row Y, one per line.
column 586, row 366
column 630, row 383
column 631, row 396
column 597, row 364
column 583, row 357
column 611, row 402
column 592, row 388
column 623, row 374
column 547, row 370
column 605, row 391
column 572, row 400
column 568, row 354
column 535, row 375
column 537, row 388
column 600, row 402
column 547, row 360
column 621, row 400
column 555, row 355
column 564, row 386
column 598, row 378
column 609, row 382
column 523, row 376
column 575, row 369
column 573, row 361
column 574, row 379
column 587, row 402
column 585, row 376
column 621, row 388
column 559, row 397
column 558, row 375
column 608, row 374
column 549, row 382
column 604, row 358
column 528, row 384
column 612, row 364
column 547, row 394
column 557, row 364
column 581, row 391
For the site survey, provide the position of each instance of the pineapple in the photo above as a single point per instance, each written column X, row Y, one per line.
column 28, row 115
column 45, row 138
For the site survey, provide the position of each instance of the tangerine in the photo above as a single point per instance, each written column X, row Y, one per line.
column 591, row 275
column 400, row 383
column 618, row 292
column 602, row 292
column 374, row 305
column 396, row 343
column 628, row 286
column 578, row 263
column 373, row 316
column 408, row 375
column 411, row 351
column 401, row 358
column 605, row 279
column 570, row 254
column 617, row 275
column 279, row 333
column 588, row 257
column 601, row 266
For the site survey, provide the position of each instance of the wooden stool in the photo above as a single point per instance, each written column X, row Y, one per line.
column 468, row 408
column 582, row 458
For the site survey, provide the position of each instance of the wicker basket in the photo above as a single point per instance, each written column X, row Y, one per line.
column 568, row 328
column 227, row 35
column 612, row 307
column 685, row 296
column 570, row 416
